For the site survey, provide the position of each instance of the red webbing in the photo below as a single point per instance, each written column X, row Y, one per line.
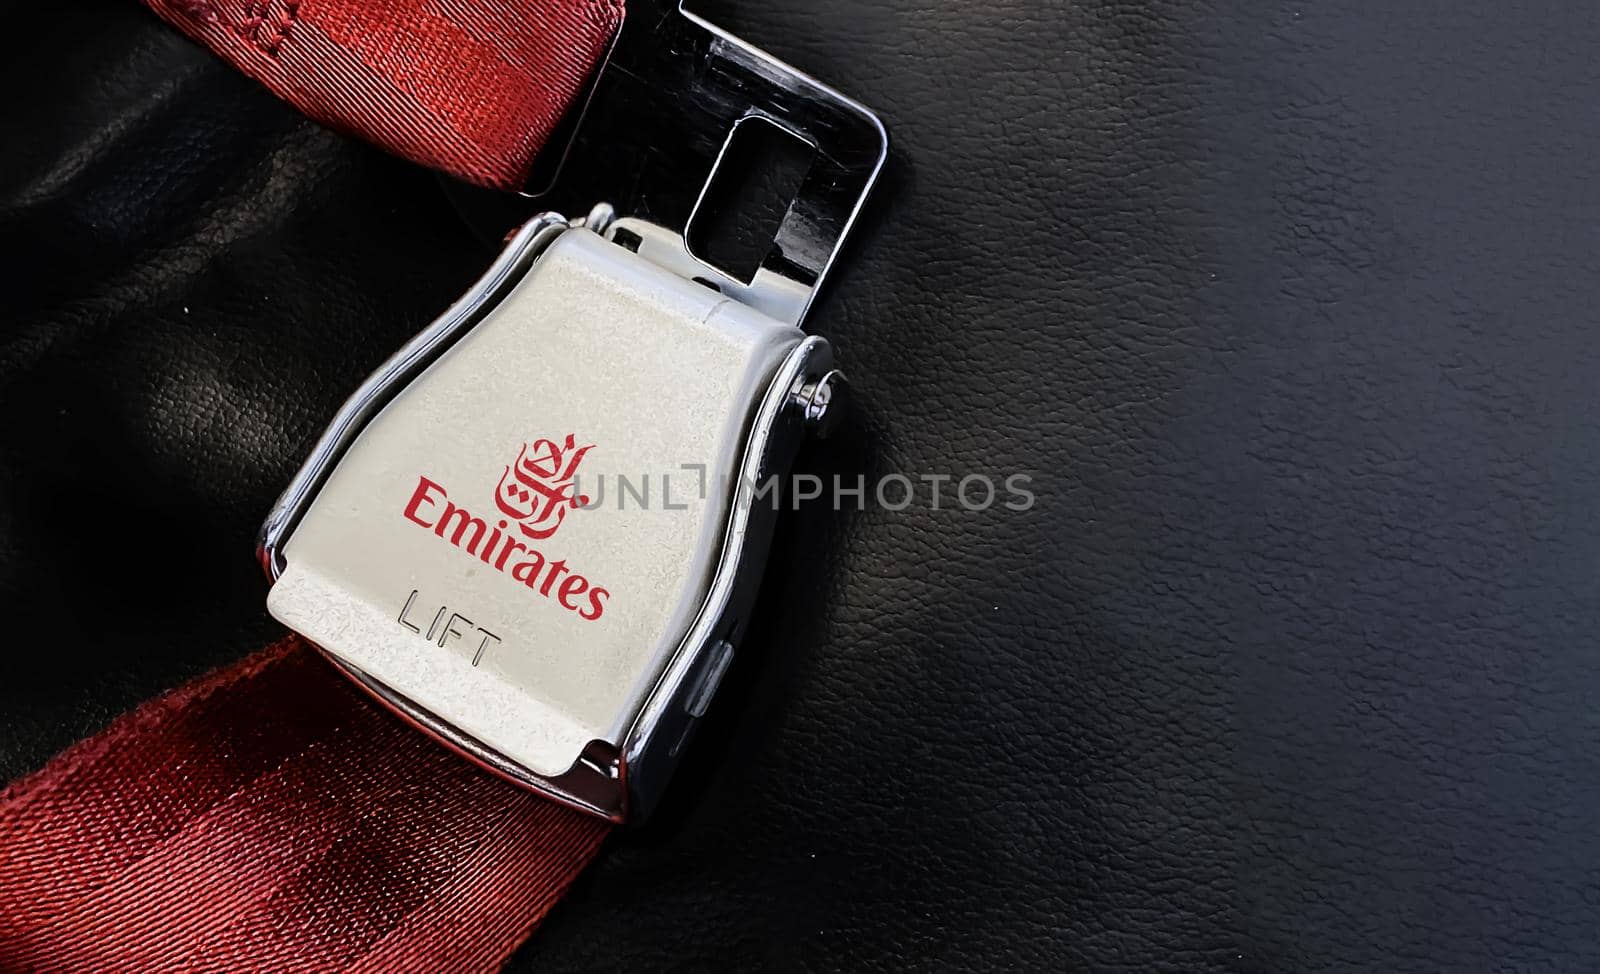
column 269, row 817
column 472, row 87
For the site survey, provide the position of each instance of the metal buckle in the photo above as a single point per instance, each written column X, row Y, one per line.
column 440, row 544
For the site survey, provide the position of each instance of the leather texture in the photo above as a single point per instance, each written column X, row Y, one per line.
column 1288, row 310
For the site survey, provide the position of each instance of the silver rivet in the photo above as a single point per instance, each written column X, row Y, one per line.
column 822, row 402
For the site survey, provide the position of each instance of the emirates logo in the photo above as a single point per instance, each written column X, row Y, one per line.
column 538, row 490
column 535, row 494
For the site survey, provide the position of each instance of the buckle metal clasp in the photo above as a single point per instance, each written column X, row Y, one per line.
column 656, row 128
column 461, row 540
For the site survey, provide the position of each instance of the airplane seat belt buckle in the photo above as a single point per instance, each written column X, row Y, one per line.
column 538, row 529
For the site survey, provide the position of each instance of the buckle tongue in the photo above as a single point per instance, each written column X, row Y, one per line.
column 664, row 109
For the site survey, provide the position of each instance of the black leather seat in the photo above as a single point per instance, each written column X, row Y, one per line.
column 1288, row 309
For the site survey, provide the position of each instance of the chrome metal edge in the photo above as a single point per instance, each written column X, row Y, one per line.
column 591, row 785
column 668, row 717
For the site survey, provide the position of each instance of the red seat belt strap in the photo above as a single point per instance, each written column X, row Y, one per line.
column 268, row 817
column 472, row 87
